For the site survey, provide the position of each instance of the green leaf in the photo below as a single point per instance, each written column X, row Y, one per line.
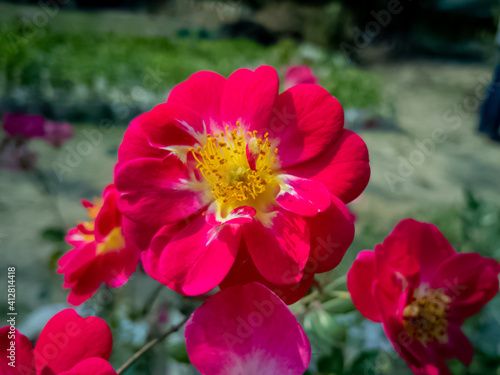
column 179, row 352
column 333, row 363
column 365, row 363
column 53, row 234
column 338, row 305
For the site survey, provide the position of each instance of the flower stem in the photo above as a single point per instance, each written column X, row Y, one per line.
column 149, row 345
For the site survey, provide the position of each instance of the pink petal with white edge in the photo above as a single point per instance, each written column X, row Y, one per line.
column 246, row 330
column 200, row 256
column 343, row 168
column 249, row 98
column 280, row 248
column 240, row 215
column 156, row 192
column 68, row 339
column 172, row 125
column 93, row 366
column 302, row 196
column 307, row 120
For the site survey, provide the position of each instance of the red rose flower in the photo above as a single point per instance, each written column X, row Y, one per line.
column 67, row 345
column 101, row 254
column 230, row 175
column 421, row 290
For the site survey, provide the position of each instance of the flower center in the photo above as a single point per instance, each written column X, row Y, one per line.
column 238, row 171
column 424, row 318
column 114, row 241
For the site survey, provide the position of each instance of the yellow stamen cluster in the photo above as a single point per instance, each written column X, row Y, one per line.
column 425, row 318
column 113, row 242
column 223, row 163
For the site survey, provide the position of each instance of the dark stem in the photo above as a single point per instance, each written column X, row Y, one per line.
column 149, row 345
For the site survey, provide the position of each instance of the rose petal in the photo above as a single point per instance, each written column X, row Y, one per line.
column 280, row 248
column 249, row 97
column 93, row 366
column 244, row 272
column 302, row 196
column 156, row 192
column 343, row 168
column 470, row 280
column 23, row 353
column 307, row 120
column 202, row 92
column 332, row 232
column 68, row 339
column 199, row 256
column 360, row 280
column 246, row 330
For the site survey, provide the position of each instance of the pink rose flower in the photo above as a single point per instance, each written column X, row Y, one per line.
column 229, row 181
column 57, row 132
column 21, row 125
column 246, row 330
column 421, row 290
column 297, row 74
column 101, row 253
column 67, row 345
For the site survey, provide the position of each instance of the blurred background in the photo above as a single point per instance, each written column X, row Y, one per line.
column 412, row 77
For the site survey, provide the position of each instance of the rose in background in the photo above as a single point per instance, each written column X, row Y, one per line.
column 20, row 129
column 421, row 290
column 101, row 253
column 67, row 345
column 298, row 74
column 230, row 182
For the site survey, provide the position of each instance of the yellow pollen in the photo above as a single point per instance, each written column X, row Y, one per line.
column 425, row 318
column 113, row 242
column 224, row 163
column 94, row 211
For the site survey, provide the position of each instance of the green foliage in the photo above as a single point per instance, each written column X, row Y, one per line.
column 107, row 64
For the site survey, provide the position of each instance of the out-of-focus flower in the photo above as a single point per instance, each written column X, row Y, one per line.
column 101, row 254
column 421, row 290
column 229, row 175
column 57, row 132
column 22, row 125
column 15, row 154
column 297, row 74
column 68, row 345
column 246, row 330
